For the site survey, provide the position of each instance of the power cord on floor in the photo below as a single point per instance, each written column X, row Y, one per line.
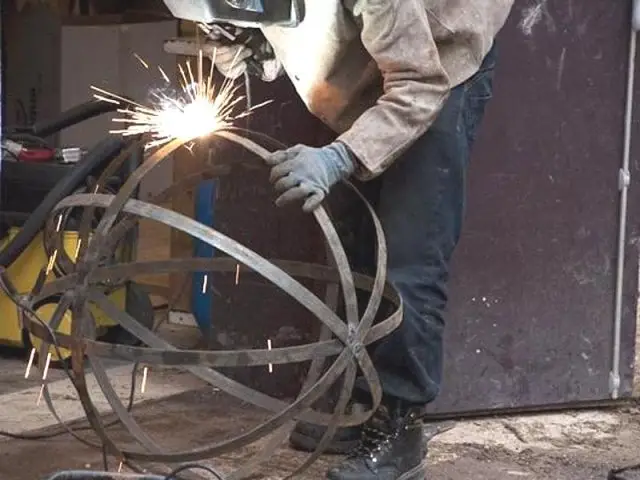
column 615, row 474
column 192, row 466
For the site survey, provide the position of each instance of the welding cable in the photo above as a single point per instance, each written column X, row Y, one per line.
column 34, row 134
column 615, row 474
column 100, row 155
column 85, row 475
column 192, row 466
column 79, row 113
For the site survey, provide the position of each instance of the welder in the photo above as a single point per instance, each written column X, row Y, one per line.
column 404, row 84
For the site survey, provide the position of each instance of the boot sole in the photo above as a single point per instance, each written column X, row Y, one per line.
column 304, row 443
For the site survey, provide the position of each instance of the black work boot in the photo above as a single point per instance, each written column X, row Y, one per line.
column 392, row 447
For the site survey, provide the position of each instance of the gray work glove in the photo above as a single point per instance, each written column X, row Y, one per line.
column 307, row 174
column 231, row 61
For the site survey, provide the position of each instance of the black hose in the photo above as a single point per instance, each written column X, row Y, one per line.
column 97, row 157
column 74, row 115
column 88, row 475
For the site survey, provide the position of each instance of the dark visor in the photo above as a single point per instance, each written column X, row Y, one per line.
column 252, row 13
column 248, row 5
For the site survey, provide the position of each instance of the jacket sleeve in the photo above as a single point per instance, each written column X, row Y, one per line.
column 397, row 35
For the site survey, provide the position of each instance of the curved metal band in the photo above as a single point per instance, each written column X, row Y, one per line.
column 217, row 358
column 87, row 285
column 277, row 276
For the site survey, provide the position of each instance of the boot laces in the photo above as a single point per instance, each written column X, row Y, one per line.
column 378, row 435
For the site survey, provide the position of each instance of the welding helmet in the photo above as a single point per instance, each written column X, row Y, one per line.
column 241, row 13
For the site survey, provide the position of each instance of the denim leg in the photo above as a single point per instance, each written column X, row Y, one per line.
column 421, row 206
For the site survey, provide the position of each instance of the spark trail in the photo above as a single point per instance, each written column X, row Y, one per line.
column 197, row 110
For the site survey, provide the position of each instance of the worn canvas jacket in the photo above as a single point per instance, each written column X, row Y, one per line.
column 379, row 71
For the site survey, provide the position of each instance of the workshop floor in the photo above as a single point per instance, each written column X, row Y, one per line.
column 568, row 446
column 576, row 446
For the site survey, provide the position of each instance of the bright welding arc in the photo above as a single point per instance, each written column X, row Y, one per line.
column 200, row 109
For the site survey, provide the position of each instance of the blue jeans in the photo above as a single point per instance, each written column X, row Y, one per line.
column 420, row 200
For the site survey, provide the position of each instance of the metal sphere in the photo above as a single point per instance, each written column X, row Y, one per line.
column 88, row 280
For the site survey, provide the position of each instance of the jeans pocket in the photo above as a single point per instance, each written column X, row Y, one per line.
column 477, row 92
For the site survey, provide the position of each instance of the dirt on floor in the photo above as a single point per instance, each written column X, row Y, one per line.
column 568, row 446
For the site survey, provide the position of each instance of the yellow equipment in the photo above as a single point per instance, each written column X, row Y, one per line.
column 23, row 273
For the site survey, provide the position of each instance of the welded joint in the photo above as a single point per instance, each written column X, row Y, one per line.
column 624, row 179
column 24, row 301
column 353, row 343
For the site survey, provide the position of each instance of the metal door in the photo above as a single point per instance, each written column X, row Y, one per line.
column 532, row 306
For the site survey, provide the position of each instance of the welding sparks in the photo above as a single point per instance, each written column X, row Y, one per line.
column 46, row 367
column 30, row 364
column 39, row 400
column 78, row 248
column 145, row 373
column 164, row 75
column 200, row 108
column 141, row 60
column 44, row 378
column 52, row 262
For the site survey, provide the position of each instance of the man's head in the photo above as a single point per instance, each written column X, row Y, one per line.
column 241, row 13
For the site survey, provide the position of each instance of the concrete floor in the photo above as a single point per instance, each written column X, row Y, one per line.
column 179, row 412
column 195, row 418
column 20, row 410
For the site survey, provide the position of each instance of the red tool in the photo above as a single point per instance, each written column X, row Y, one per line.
column 36, row 155
column 29, row 154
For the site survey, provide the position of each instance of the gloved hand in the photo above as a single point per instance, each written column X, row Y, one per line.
column 307, row 174
column 231, row 61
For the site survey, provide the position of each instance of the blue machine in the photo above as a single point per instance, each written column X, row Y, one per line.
column 202, row 299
